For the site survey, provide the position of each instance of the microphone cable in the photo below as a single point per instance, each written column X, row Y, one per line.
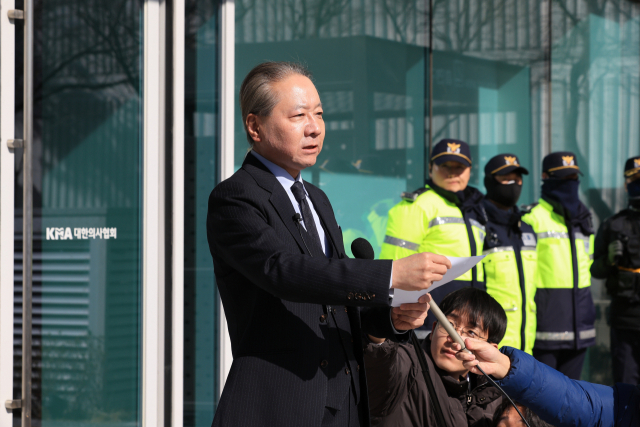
column 442, row 319
column 495, row 384
column 362, row 249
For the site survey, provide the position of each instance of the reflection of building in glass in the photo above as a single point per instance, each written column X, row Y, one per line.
column 87, row 175
column 518, row 76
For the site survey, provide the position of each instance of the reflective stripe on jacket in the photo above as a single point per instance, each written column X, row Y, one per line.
column 432, row 224
column 565, row 309
column 509, row 267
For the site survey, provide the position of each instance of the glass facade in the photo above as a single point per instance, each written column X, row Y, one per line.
column 519, row 76
column 201, row 159
column 395, row 76
column 87, row 214
column 489, row 73
column 595, row 63
column 369, row 61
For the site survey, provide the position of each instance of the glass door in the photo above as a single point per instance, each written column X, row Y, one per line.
column 7, row 88
column 87, row 213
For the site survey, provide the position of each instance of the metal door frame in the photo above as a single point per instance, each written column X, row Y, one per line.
column 226, row 162
column 24, row 17
column 154, row 207
column 7, row 104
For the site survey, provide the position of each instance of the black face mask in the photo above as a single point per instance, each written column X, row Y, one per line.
column 564, row 191
column 633, row 188
column 505, row 194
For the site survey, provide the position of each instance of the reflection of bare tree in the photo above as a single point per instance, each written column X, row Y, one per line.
column 242, row 8
column 289, row 19
column 87, row 77
column 91, row 48
column 308, row 18
column 459, row 27
column 198, row 14
column 575, row 74
column 263, row 20
column 405, row 16
column 86, row 45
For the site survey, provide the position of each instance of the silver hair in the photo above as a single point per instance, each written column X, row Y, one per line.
column 256, row 94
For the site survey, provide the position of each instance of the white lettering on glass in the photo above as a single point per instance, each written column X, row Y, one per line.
column 80, row 233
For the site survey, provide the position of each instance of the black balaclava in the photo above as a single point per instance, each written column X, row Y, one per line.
column 633, row 189
column 565, row 192
column 505, row 194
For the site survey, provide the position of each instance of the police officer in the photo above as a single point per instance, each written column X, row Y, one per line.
column 617, row 259
column 444, row 217
column 510, row 249
column 565, row 310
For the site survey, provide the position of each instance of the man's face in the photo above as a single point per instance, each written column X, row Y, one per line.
column 511, row 418
column 452, row 176
column 292, row 136
column 441, row 343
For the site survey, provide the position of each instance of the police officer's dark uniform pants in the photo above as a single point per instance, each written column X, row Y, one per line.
column 348, row 416
column 625, row 355
column 569, row 362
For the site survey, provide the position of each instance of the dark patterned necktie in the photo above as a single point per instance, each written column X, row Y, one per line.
column 301, row 197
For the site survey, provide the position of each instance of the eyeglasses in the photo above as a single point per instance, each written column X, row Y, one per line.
column 464, row 333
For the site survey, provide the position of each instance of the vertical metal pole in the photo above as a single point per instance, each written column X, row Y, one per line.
column 27, row 214
column 430, row 78
column 549, row 146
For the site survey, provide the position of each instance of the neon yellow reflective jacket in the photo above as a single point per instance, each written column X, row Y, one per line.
column 509, row 268
column 432, row 224
column 565, row 309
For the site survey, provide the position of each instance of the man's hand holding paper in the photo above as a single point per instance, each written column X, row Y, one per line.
column 418, row 272
column 456, row 266
column 410, row 315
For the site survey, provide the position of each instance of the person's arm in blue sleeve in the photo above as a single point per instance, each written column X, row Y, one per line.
column 555, row 398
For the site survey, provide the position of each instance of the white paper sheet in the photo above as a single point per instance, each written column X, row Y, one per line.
column 459, row 266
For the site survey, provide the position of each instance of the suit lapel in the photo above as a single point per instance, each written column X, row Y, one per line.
column 279, row 198
column 281, row 202
column 327, row 218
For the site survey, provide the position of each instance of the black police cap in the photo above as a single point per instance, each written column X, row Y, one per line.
column 503, row 164
column 448, row 150
column 632, row 166
column 560, row 164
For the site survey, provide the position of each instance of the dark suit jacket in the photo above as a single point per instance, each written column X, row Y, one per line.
column 273, row 294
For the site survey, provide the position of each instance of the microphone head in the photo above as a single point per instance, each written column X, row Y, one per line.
column 362, row 249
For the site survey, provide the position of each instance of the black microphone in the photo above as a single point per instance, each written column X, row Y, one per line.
column 362, row 249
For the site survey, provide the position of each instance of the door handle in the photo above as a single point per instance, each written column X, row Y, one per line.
column 15, row 143
column 15, row 14
column 13, row 404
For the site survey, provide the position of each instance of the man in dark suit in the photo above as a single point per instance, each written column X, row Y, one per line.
column 296, row 306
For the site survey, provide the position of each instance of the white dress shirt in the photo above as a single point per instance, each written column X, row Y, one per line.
column 286, row 180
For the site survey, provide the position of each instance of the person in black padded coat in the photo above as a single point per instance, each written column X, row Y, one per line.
column 398, row 393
